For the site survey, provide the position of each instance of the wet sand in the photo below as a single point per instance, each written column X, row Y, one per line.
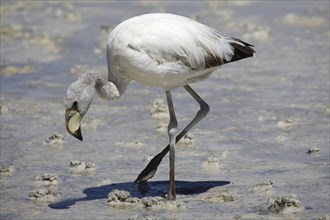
column 261, row 153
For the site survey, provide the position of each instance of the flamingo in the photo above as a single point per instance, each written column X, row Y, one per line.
column 162, row 50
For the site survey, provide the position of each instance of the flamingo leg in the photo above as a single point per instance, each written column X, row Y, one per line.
column 172, row 130
column 152, row 166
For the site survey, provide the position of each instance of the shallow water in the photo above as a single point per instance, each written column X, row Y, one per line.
column 266, row 113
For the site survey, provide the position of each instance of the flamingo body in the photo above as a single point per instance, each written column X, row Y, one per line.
column 168, row 51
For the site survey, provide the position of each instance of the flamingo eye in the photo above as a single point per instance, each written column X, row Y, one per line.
column 75, row 105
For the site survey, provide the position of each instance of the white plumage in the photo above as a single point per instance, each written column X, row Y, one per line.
column 162, row 50
column 166, row 50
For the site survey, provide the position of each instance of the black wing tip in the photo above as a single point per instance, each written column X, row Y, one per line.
column 241, row 49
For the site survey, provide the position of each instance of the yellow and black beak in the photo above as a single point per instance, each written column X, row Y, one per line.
column 73, row 119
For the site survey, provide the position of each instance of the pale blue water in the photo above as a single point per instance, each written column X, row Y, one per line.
column 289, row 79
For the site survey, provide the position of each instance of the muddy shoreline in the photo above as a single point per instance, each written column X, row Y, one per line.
column 261, row 153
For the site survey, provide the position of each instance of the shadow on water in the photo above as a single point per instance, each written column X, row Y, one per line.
column 154, row 188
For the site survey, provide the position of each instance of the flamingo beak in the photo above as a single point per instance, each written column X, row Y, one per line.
column 73, row 119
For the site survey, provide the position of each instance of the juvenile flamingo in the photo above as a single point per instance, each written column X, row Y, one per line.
column 163, row 50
